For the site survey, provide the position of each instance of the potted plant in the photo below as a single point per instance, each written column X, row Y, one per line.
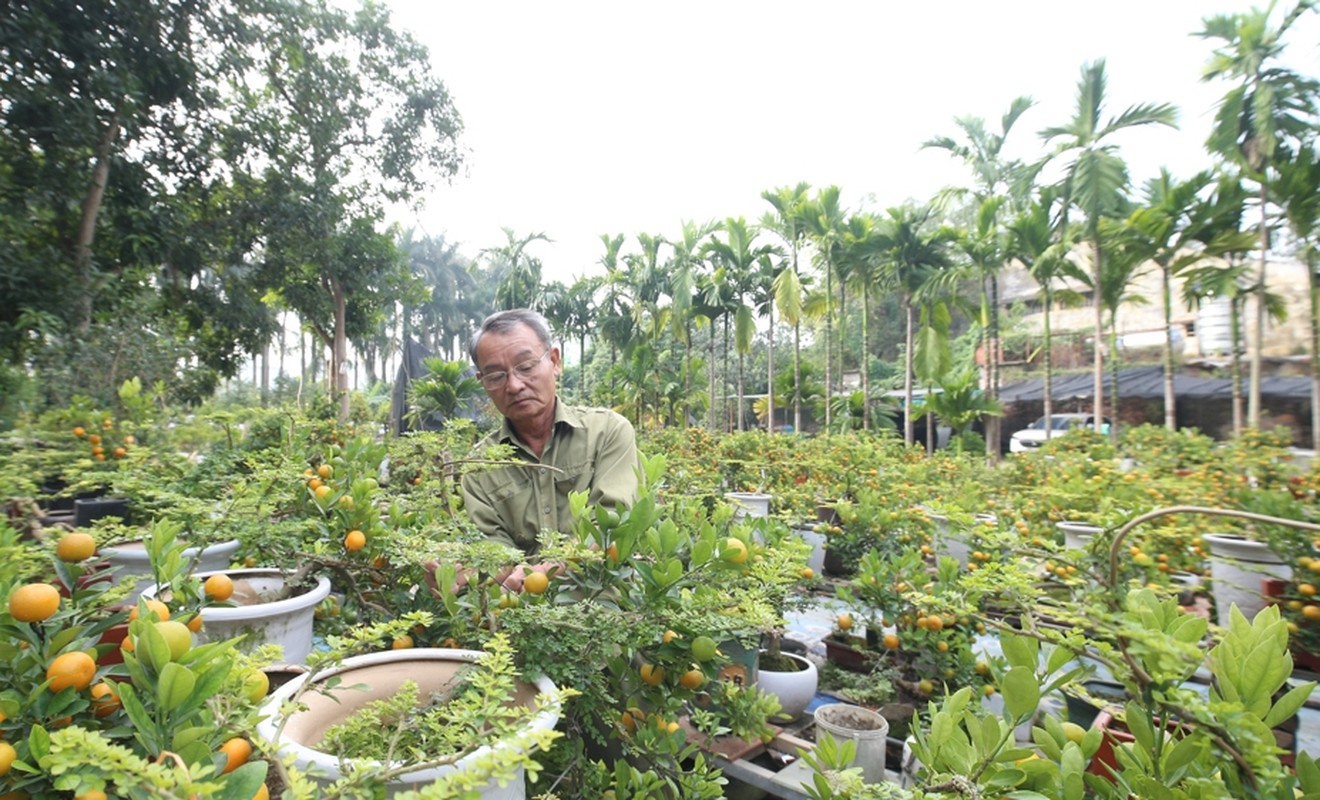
column 410, row 718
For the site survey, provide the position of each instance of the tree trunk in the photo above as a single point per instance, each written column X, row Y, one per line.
column 1315, row 350
column 770, row 368
column 710, row 371
column 829, row 332
column 1170, row 400
column 1253, row 398
column 797, row 377
column 1098, row 367
column 993, row 423
column 1049, row 366
column 1235, row 363
column 908, row 428
column 739, row 421
column 582, row 367
column 1113, row 380
column 91, row 209
column 339, row 353
column 866, row 358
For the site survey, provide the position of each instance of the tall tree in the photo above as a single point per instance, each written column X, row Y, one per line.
column 1269, row 108
column 1095, row 180
column 685, row 271
column 1034, row 241
column 1003, row 180
column 1175, row 228
column 912, row 253
column 1298, row 192
column 338, row 115
column 789, row 221
column 738, row 255
column 825, row 220
column 521, row 285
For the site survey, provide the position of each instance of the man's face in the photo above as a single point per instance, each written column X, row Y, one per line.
column 522, row 398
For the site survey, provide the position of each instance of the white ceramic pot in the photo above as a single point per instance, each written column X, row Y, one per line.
column 261, row 613
column 864, row 727
column 131, row 559
column 948, row 542
column 1238, row 566
column 383, row 673
column 795, row 690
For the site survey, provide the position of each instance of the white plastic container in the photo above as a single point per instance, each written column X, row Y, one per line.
column 864, row 727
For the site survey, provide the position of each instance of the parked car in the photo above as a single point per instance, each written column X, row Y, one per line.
column 1035, row 435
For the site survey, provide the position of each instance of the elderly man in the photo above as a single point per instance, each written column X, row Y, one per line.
column 565, row 448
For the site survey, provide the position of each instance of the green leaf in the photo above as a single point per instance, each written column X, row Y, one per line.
column 1289, row 704
column 1021, row 692
column 1005, row 778
column 1058, row 658
column 1182, row 754
column 175, row 684
column 1021, row 651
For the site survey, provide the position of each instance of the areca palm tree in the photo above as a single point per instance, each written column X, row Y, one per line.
column 1173, row 229
column 522, row 281
column 1095, row 180
column 580, row 319
column 789, row 221
column 1298, row 193
column 1034, row 243
column 863, row 251
column 739, row 256
column 824, row 219
column 911, row 254
column 985, row 247
column 1269, row 109
column 1001, row 181
column 684, row 271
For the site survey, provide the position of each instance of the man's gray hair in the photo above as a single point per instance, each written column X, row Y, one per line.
column 505, row 321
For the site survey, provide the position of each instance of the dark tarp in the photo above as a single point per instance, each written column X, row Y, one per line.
column 410, row 367
column 1147, row 383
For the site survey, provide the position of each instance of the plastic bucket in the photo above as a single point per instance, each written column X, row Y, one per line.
column 865, row 728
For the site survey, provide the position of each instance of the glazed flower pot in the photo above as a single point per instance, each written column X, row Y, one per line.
column 131, row 559
column 1238, row 565
column 383, row 674
column 262, row 613
column 795, row 689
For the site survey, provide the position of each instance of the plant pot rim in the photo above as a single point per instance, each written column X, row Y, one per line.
column 806, row 663
column 546, row 717
column 308, row 597
column 136, row 549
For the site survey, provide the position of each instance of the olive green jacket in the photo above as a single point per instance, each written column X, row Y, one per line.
column 591, row 449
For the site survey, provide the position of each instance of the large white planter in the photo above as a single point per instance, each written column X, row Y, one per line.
column 1238, row 566
column 817, row 541
column 948, row 542
column 795, row 690
column 749, row 504
column 432, row 669
column 262, row 613
column 132, row 559
column 1078, row 535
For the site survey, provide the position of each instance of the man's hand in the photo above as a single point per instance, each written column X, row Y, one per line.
column 514, row 578
column 461, row 578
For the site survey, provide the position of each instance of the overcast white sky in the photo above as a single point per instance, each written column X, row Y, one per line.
column 585, row 118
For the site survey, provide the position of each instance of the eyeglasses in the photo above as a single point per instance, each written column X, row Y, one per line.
column 524, row 370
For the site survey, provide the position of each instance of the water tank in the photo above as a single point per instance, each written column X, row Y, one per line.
column 1214, row 329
